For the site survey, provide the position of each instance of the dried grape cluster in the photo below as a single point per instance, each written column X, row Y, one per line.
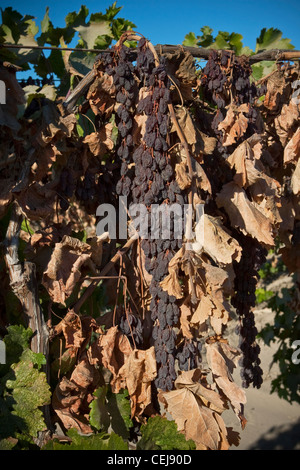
column 154, row 183
column 125, row 86
column 226, row 79
column 246, row 270
column 214, row 77
column 147, row 177
column 131, row 326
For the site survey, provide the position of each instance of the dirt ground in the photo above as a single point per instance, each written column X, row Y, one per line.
column 272, row 423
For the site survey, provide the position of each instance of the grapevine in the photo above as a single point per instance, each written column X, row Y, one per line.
column 145, row 319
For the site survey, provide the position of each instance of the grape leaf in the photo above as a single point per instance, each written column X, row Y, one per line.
column 162, row 434
column 118, row 406
column 99, row 417
column 272, row 39
column 92, row 31
column 29, row 391
column 190, row 40
column 101, row 441
column 76, row 19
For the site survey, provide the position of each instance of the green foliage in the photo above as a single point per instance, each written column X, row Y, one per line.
column 283, row 332
column 162, row 434
column 263, row 295
column 23, row 388
column 96, row 32
column 272, row 39
column 111, row 409
column 268, row 39
column 101, row 441
column 99, row 417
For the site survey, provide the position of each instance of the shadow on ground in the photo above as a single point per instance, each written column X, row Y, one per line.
column 279, row 438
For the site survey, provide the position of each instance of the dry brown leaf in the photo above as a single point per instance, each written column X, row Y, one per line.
column 292, row 150
column 287, row 121
column 185, row 314
column 172, row 285
column 222, row 359
column 55, row 131
column 203, row 310
column 202, row 180
column 277, row 92
column 139, row 120
column 194, row 381
column 213, row 309
column 186, row 124
column 218, row 243
column 182, row 176
column 251, row 174
column 111, row 350
column 171, row 282
column 197, row 422
column 138, row 373
column 5, row 195
column 45, row 160
column 71, row 397
column 101, row 95
column 235, row 124
column 37, row 201
column 96, row 244
column 100, row 142
column 244, row 215
column 69, row 257
column 295, row 181
column 78, row 331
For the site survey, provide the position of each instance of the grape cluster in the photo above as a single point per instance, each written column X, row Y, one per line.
column 225, row 72
column 155, row 183
column 189, row 354
column 125, row 85
column 214, row 77
column 245, row 91
column 131, row 326
column 246, row 271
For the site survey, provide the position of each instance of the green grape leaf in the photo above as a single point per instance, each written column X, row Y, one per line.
column 112, row 11
column 82, row 62
column 207, row 38
column 7, row 444
column 99, row 417
column 162, row 434
column 16, row 341
column 190, row 40
column 272, row 39
column 45, row 23
column 76, row 19
column 118, row 406
column 263, row 68
column 92, row 31
column 101, row 441
column 120, row 25
column 26, row 391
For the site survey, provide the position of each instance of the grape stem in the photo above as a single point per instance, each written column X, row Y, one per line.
column 89, row 291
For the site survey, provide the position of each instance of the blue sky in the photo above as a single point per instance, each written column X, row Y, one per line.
column 167, row 22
